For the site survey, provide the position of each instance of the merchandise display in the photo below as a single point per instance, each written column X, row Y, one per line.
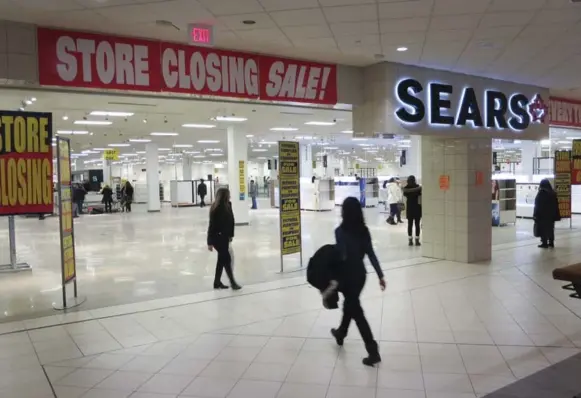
column 317, row 195
column 182, row 193
column 504, row 200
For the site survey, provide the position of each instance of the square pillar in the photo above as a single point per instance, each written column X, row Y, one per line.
column 457, row 219
column 186, row 168
column 306, row 160
column 152, row 177
column 237, row 158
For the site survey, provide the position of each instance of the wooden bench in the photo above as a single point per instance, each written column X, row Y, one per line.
column 571, row 274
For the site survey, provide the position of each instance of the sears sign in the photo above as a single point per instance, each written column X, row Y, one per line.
column 490, row 109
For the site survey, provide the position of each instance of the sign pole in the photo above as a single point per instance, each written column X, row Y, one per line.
column 14, row 266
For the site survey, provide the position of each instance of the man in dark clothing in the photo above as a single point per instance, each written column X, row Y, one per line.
column 413, row 193
column 546, row 213
column 202, row 191
column 78, row 198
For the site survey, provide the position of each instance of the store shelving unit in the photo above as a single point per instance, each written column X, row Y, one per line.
column 506, row 199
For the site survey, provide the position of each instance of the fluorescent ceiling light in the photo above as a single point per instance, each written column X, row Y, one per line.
column 359, row 139
column 113, row 114
column 199, row 156
column 564, row 142
column 208, row 142
column 268, row 142
column 99, row 149
column 249, row 135
column 283, row 129
column 303, row 137
column 230, row 119
column 199, row 126
column 139, row 140
column 331, row 147
column 320, row 123
column 140, row 152
column 129, row 154
column 191, row 152
column 216, row 154
column 119, row 145
column 545, row 142
column 74, row 132
column 402, row 49
column 94, row 122
column 259, row 150
column 371, row 151
column 164, row 134
column 405, row 146
column 164, row 149
column 182, row 146
column 347, row 131
column 89, row 152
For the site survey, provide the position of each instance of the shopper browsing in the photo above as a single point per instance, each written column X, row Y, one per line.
column 220, row 234
column 394, row 198
column 413, row 194
column 107, row 199
column 545, row 214
column 202, row 191
column 127, row 194
column 253, row 193
column 353, row 243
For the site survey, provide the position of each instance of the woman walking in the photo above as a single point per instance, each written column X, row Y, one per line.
column 220, row 234
column 413, row 194
column 546, row 213
column 353, row 243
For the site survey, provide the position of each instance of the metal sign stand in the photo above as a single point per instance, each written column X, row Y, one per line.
column 14, row 266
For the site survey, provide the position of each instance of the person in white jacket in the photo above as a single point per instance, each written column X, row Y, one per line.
column 394, row 198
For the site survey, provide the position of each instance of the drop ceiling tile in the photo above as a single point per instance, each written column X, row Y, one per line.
column 307, row 32
column 363, row 50
column 180, row 12
column 412, row 9
column 411, row 56
column 323, row 42
column 234, row 22
column 506, row 19
column 312, row 16
column 503, row 31
column 351, row 13
column 282, row 5
column 560, row 4
column 455, row 45
column 447, row 34
column 355, row 28
column 557, row 16
column 232, row 7
column 543, row 32
column 403, row 25
column 113, row 3
column 455, row 22
column 271, row 34
column 358, row 41
column 397, row 39
column 516, row 5
column 52, row 5
column 452, row 7
column 332, row 3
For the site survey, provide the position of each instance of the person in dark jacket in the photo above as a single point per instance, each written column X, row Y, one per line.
column 353, row 243
column 413, row 193
column 127, row 193
column 545, row 214
column 107, row 199
column 220, row 234
column 202, row 191
column 79, row 194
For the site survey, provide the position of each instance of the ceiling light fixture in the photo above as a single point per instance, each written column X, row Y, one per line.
column 72, row 132
column 33, row 99
column 28, row 102
column 216, row 154
column 164, row 134
column 183, row 146
column 359, row 139
column 230, row 119
column 65, row 117
column 402, row 49
column 199, row 126
column 164, row 149
column 259, row 150
column 347, row 131
column 99, row 149
column 139, row 140
column 119, row 145
column 283, row 129
column 199, row 156
column 94, row 122
column 320, row 123
column 249, row 135
column 112, row 114
column 145, row 120
column 208, row 142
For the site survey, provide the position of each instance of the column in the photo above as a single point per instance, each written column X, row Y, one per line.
column 187, row 168
column 530, row 150
column 306, row 158
column 152, row 177
column 238, row 152
column 456, row 216
column 413, row 164
column 107, row 175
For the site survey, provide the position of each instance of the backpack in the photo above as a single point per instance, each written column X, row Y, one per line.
column 323, row 267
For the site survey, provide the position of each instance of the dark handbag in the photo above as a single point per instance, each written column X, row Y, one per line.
column 401, row 206
column 536, row 230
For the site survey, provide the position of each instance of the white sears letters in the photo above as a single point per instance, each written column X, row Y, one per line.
column 290, row 83
column 118, row 63
column 215, row 73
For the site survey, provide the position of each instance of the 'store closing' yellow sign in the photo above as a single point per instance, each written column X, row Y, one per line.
column 25, row 163
column 290, row 197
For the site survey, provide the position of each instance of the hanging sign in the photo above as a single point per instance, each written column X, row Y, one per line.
column 111, row 154
column 201, row 34
column 289, row 197
column 25, row 163
column 65, row 195
column 564, row 112
column 576, row 162
column 563, row 182
column 242, row 179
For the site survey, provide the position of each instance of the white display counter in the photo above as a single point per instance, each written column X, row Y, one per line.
column 318, row 195
column 182, row 193
column 351, row 187
column 140, row 192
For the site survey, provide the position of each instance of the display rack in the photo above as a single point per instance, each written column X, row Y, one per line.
column 504, row 200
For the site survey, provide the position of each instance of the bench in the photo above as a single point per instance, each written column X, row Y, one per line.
column 571, row 274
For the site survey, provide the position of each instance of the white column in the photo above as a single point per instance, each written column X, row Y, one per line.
column 530, row 150
column 186, row 168
column 413, row 164
column 457, row 223
column 237, row 152
column 107, row 176
column 152, row 177
column 306, row 159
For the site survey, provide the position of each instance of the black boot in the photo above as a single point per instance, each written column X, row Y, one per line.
column 220, row 286
column 551, row 244
column 339, row 337
column 543, row 245
column 411, row 242
column 373, row 357
column 418, row 242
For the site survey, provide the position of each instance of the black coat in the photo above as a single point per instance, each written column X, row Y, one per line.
column 202, row 189
column 221, row 226
column 546, row 207
column 107, row 195
column 325, row 266
column 413, row 194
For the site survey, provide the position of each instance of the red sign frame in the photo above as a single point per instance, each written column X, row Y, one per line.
column 90, row 60
column 564, row 112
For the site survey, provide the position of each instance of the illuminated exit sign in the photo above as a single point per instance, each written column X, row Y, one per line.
column 201, row 35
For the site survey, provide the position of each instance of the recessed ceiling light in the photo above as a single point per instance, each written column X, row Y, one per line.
column 33, row 99
column 208, row 142
column 320, row 123
column 283, row 129
column 230, row 119
column 248, row 22
column 113, row 114
column 402, row 49
column 74, row 132
column 164, row 134
column 119, row 145
column 183, row 146
column 65, row 117
column 303, row 137
column 191, row 152
column 28, row 102
column 198, row 126
column 139, row 140
column 94, row 122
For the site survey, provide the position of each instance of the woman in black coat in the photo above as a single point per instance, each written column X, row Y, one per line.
column 220, row 234
column 413, row 194
column 107, row 200
column 546, row 213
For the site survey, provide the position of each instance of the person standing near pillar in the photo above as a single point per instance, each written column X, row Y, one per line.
column 413, row 193
column 253, row 193
column 202, row 191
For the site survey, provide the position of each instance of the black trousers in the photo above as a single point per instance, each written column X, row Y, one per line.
column 108, row 207
column 352, row 310
column 414, row 221
column 224, row 262
column 547, row 231
column 394, row 211
column 128, row 206
column 202, row 203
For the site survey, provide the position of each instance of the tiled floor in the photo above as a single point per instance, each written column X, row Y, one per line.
column 129, row 258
